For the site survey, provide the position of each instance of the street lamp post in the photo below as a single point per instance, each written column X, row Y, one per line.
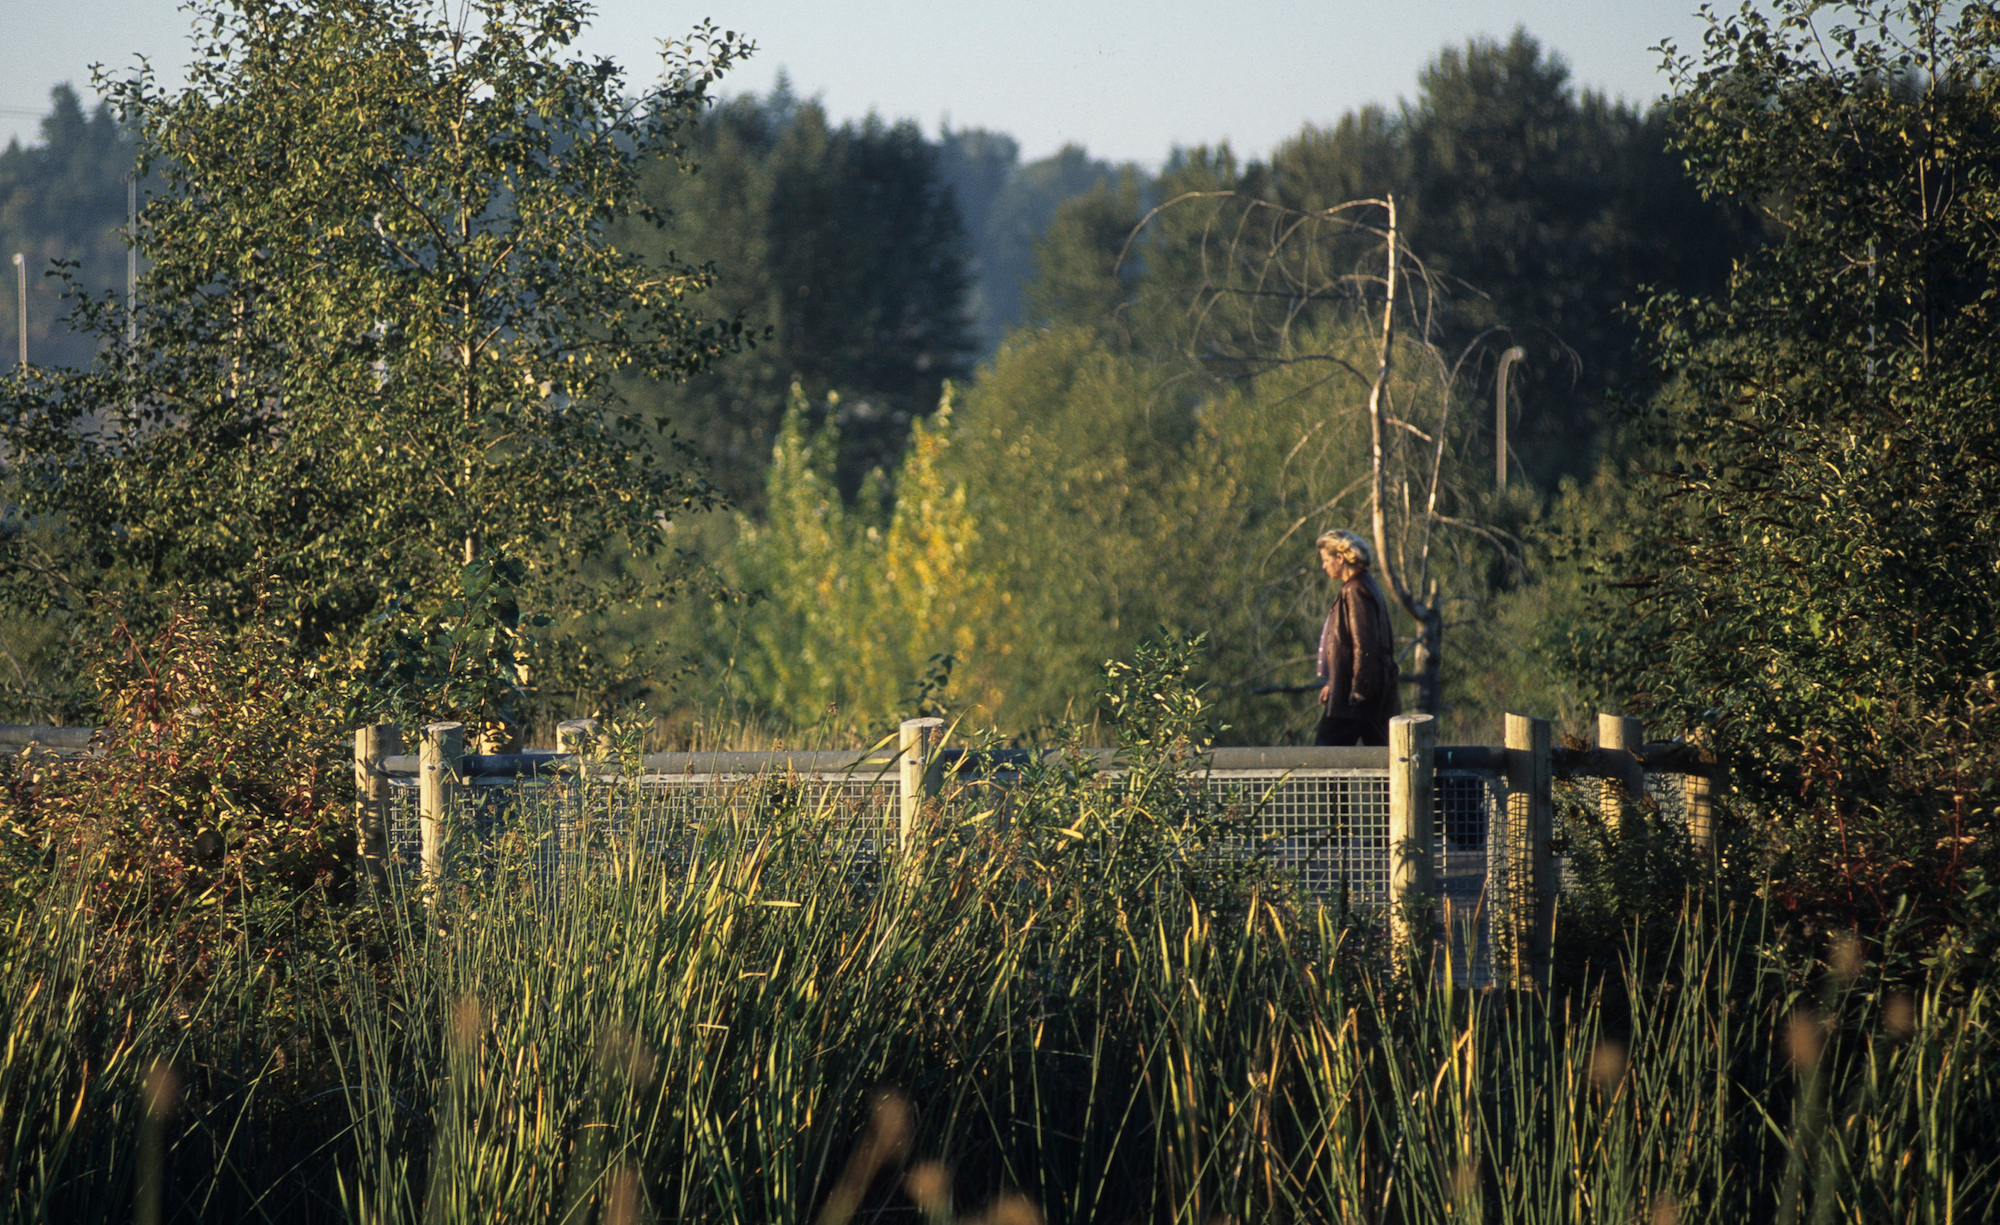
column 21, row 279
column 131, row 259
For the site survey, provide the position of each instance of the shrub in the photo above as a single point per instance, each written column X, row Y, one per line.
column 214, row 803
column 1814, row 570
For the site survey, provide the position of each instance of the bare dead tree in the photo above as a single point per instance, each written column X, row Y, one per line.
column 1276, row 287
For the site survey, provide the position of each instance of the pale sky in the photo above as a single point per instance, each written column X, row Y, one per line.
column 1128, row 81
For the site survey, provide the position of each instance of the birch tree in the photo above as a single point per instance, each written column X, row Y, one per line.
column 369, row 365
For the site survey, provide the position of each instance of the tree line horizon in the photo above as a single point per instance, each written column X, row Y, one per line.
column 65, row 198
column 871, row 265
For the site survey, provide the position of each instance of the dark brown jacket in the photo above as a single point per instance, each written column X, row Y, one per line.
column 1357, row 654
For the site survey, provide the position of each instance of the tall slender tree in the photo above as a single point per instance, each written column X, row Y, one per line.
column 842, row 248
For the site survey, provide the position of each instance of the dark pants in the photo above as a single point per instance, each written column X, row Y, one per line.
column 1341, row 731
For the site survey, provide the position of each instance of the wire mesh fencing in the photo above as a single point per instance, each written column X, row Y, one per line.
column 574, row 821
column 1472, row 858
column 1330, row 829
column 1509, row 826
column 1326, row 825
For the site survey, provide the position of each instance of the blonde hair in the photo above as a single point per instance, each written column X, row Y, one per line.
column 1347, row 546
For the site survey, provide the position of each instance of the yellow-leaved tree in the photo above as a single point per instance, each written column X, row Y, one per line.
column 854, row 608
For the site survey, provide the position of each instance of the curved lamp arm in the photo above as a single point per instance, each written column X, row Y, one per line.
column 1507, row 361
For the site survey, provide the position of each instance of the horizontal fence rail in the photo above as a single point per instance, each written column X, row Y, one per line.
column 17, row 737
column 549, row 762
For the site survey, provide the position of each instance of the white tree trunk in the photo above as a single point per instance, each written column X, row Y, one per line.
column 1428, row 656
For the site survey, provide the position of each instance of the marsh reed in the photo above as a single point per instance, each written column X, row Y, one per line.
column 1074, row 1015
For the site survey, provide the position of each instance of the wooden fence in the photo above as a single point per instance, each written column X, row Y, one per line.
column 1463, row 832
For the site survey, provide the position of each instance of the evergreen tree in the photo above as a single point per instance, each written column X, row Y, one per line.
column 842, row 248
column 1008, row 209
column 1363, row 154
column 1549, row 211
column 979, row 166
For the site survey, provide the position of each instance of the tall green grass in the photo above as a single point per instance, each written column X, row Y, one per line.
column 1076, row 1011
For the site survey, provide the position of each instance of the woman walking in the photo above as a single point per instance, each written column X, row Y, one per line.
column 1357, row 649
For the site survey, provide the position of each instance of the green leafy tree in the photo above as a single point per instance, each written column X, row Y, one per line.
column 377, row 339
column 1819, row 587
column 1111, row 496
column 854, row 606
column 1527, row 213
column 1083, row 481
column 1082, row 279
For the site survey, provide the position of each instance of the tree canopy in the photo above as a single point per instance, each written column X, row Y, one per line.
column 372, row 359
column 841, row 247
column 1818, row 570
column 1538, row 211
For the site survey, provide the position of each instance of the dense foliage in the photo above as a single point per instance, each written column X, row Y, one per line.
column 1818, row 575
column 376, row 338
column 1537, row 211
column 1074, row 501
column 841, row 247
column 1166, row 446
column 1007, row 205
column 852, row 606
column 215, row 812
column 371, row 413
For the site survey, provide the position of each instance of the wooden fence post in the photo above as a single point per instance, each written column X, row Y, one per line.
column 440, row 759
column 371, row 795
column 1530, row 830
column 1618, row 736
column 1412, row 882
column 1700, row 791
column 919, row 742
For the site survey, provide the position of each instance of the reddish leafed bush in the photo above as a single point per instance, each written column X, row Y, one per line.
column 215, row 806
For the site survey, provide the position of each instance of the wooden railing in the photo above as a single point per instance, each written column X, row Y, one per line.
column 1523, row 771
